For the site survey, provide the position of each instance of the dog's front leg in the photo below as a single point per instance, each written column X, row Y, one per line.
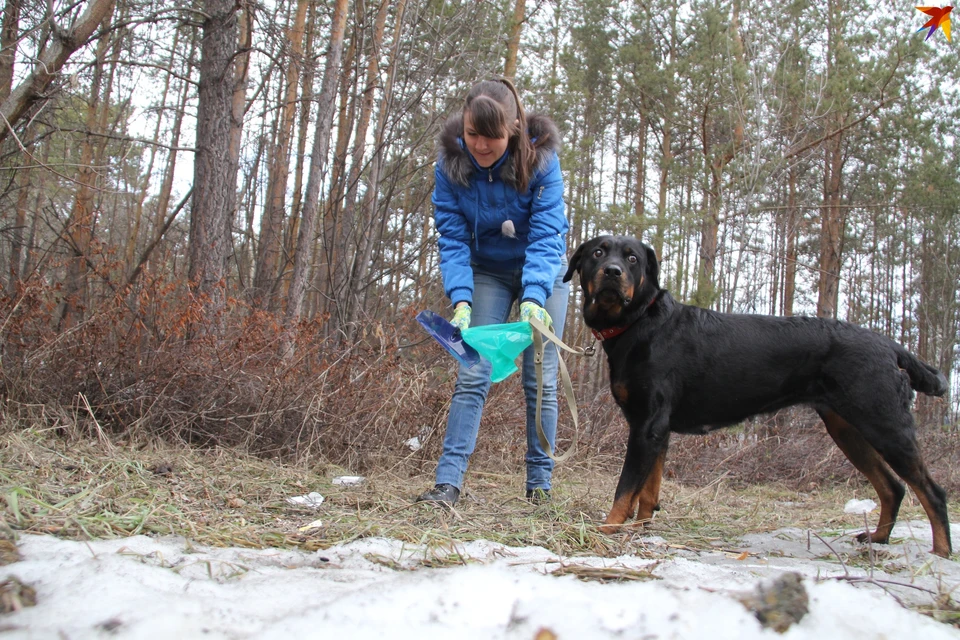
column 649, row 496
column 638, row 490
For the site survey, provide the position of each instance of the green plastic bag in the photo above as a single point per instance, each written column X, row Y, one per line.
column 500, row 344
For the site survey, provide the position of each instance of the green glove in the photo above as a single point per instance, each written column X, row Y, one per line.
column 530, row 309
column 461, row 316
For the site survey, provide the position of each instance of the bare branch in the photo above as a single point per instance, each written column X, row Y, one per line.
column 50, row 62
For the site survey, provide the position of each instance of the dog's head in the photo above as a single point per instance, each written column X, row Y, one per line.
column 619, row 276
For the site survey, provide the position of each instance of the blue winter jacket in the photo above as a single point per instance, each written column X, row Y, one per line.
column 471, row 205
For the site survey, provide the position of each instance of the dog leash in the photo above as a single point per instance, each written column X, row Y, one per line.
column 541, row 332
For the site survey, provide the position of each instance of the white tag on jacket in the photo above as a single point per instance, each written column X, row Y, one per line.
column 508, row 229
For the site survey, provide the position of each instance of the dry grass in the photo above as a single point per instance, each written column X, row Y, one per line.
column 79, row 487
column 82, row 486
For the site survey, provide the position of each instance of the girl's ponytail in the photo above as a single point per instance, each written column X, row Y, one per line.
column 520, row 143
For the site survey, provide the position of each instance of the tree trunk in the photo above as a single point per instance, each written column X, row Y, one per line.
column 513, row 42
column 306, row 100
column 238, row 99
column 666, row 141
column 830, row 217
column 831, row 229
column 353, row 227
column 144, row 186
column 269, row 258
column 30, row 261
column 332, row 251
column 215, row 166
column 247, row 200
column 166, row 185
column 706, row 292
column 375, row 224
column 791, row 244
column 717, row 159
column 640, row 186
column 666, row 159
column 321, row 145
column 9, row 34
column 79, row 229
column 19, row 227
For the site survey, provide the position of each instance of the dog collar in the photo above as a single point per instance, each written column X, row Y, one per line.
column 606, row 334
column 613, row 332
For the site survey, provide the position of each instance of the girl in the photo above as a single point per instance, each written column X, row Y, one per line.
column 499, row 212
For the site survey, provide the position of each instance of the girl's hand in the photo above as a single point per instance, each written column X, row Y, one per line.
column 461, row 316
column 530, row 309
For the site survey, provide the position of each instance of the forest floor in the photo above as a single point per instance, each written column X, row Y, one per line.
column 128, row 539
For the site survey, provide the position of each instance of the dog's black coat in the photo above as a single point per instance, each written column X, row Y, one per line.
column 675, row 367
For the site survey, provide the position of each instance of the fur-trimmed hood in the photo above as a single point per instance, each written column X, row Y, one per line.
column 459, row 167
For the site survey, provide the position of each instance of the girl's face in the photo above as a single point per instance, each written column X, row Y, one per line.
column 486, row 151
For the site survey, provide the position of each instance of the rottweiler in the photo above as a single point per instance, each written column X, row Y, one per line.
column 680, row 368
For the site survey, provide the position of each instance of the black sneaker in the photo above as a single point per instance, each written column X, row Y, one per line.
column 446, row 494
column 538, row 496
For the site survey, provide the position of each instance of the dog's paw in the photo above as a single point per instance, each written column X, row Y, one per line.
column 611, row 528
column 866, row 537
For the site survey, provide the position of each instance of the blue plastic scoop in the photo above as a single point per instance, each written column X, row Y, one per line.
column 449, row 338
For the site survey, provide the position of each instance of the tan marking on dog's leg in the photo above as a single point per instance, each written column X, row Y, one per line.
column 639, row 504
column 649, row 495
column 927, row 491
column 866, row 459
column 621, row 511
column 941, row 539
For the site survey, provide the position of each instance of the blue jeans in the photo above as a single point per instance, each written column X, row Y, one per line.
column 493, row 296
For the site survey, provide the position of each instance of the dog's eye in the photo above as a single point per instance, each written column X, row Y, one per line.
column 632, row 259
column 597, row 253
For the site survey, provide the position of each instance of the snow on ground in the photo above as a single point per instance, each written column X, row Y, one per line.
column 143, row 587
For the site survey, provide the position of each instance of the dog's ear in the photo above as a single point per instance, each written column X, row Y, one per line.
column 574, row 263
column 653, row 266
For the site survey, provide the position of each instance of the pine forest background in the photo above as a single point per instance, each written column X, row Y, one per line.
column 215, row 217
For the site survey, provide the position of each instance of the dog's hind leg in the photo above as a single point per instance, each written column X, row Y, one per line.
column 904, row 458
column 897, row 445
column 869, row 462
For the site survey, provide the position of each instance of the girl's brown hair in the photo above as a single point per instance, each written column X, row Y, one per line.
column 495, row 109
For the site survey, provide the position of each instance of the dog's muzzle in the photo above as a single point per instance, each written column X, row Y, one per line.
column 611, row 286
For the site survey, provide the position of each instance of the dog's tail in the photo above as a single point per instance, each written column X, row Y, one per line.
column 923, row 377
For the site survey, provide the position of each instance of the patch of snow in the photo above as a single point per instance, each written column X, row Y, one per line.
column 144, row 587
